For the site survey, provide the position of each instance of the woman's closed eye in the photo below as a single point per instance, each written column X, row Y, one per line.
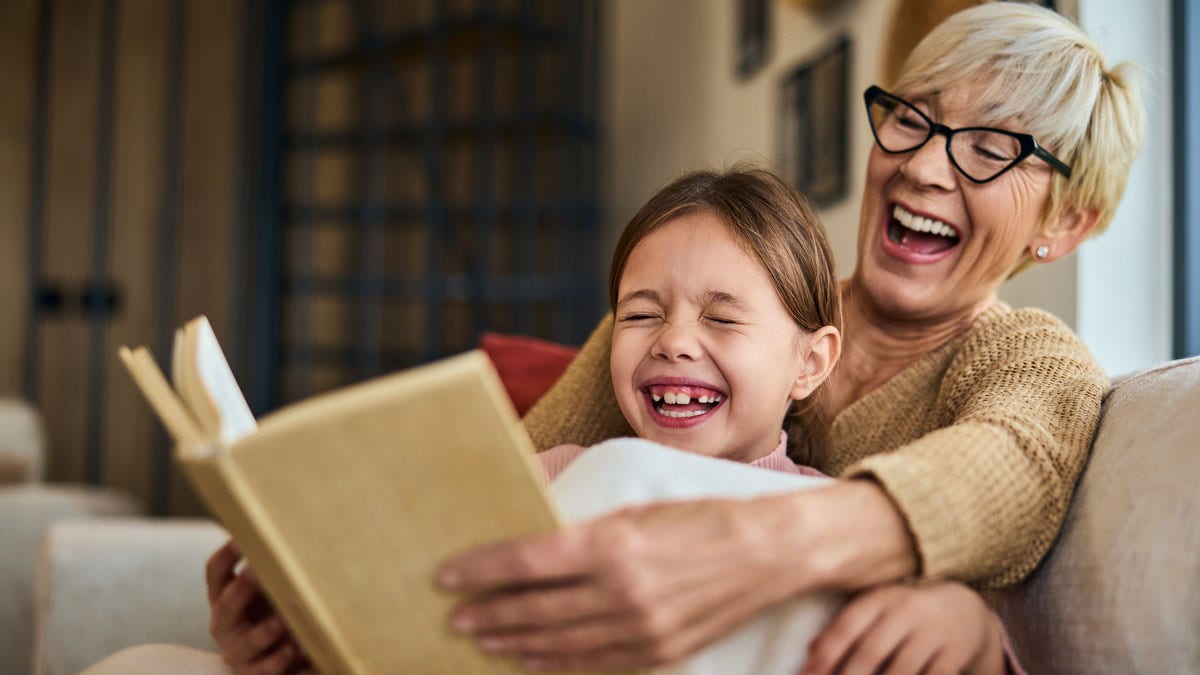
column 992, row 154
column 912, row 123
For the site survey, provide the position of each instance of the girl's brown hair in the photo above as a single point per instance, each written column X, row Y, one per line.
column 776, row 225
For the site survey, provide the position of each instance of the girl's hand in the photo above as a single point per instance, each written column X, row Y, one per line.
column 911, row 628
column 252, row 637
column 650, row 585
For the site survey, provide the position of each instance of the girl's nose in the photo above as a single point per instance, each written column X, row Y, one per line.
column 677, row 343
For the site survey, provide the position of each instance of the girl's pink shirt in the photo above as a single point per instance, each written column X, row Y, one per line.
column 558, row 458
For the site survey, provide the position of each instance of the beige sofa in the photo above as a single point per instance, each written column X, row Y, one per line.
column 22, row 443
column 1118, row 593
column 28, row 508
column 104, row 585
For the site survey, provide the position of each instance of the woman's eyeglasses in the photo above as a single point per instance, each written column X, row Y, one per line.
column 979, row 153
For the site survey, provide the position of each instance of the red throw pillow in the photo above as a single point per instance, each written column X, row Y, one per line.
column 528, row 366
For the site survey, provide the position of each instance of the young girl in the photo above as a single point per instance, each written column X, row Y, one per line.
column 726, row 310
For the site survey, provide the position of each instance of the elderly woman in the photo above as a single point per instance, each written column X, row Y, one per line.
column 957, row 425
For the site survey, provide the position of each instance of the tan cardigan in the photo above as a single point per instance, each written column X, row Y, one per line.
column 979, row 444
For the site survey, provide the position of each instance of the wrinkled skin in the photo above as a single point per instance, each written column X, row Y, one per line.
column 616, row 592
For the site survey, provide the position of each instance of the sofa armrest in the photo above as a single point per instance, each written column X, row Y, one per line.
column 1118, row 592
column 22, row 443
column 106, row 585
column 26, row 511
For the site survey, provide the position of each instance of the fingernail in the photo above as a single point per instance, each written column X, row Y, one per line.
column 449, row 579
column 463, row 623
column 491, row 645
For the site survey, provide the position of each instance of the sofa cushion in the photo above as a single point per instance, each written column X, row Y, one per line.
column 1119, row 592
column 528, row 367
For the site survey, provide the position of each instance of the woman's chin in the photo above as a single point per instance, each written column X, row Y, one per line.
column 894, row 296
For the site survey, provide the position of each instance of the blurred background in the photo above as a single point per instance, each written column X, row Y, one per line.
column 350, row 187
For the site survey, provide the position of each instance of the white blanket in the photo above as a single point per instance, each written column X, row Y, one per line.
column 627, row 471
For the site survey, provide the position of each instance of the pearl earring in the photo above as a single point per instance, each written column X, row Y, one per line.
column 1042, row 252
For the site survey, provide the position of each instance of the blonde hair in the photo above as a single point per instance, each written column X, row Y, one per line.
column 1044, row 73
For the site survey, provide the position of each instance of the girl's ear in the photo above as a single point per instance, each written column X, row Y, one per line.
column 824, row 346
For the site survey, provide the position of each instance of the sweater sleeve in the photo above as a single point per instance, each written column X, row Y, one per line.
column 1024, row 400
column 581, row 408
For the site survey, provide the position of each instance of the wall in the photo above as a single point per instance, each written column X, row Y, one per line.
column 96, row 193
column 1124, row 276
column 18, row 53
column 674, row 103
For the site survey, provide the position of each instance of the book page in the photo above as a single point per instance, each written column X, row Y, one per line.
column 216, row 383
column 171, row 409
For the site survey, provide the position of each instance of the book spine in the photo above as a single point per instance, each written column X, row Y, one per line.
column 218, row 480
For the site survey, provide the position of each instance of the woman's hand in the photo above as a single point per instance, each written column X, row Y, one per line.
column 646, row 585
column 252, row 636
column 911, row 628
column 650, row 585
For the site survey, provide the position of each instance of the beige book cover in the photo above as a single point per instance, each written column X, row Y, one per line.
column 344, row 504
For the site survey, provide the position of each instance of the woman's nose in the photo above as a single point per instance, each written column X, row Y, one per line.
column 929, row 165
column 676, row 342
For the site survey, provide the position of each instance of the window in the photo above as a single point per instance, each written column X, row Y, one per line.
column 1186, row 62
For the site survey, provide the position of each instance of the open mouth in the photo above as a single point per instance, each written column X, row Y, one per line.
column 920, row 234
column 683, row 402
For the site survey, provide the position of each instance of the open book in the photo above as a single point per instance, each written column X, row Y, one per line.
column 344, row 504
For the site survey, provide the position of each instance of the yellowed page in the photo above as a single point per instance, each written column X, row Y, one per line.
column 171, row 410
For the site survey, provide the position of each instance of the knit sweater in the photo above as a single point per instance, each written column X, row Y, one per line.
column 979, row 444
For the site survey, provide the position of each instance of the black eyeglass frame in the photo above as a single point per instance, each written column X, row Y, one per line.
column 1029, row 146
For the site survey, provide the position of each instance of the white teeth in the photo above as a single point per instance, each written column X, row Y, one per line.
column 682, row 413
column 677, row 398
column 921, row 224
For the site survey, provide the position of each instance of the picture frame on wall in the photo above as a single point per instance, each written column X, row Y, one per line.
column 814, row 129
column 753, row 36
